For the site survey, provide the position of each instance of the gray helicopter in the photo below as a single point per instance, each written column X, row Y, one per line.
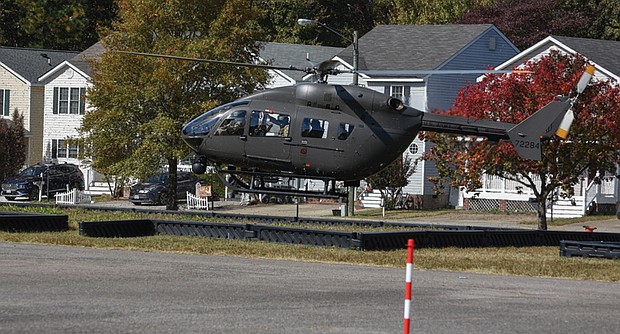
column 334, row 132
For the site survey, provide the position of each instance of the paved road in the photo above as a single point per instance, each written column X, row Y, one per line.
column 56, row 289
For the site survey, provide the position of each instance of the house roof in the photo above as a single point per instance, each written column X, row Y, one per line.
column 413, row 47
column 604, row 53
column 82, row 60
column 282, row 54
column 30, row 64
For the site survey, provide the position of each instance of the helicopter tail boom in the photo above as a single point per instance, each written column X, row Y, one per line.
column 525, row 136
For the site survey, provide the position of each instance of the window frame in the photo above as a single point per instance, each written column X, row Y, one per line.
column 308, row 131
column 5, row 102
column 74, row 103
column 269, row 119
column 64, row 149
column 399, row 95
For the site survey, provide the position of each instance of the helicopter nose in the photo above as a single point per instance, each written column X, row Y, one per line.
column 193, row 143
column 190, row 138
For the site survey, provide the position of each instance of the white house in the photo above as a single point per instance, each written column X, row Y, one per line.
column 498, row 192
column 297, row 55
column 64, row 108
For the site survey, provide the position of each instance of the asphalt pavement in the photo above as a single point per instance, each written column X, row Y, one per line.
column 60, row 289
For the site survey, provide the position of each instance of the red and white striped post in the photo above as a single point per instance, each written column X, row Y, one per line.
column 410, row 246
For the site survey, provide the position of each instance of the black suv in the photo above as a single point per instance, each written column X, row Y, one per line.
column 56, row 178
column 153, row 190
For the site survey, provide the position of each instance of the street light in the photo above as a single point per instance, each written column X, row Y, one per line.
column 356, row 52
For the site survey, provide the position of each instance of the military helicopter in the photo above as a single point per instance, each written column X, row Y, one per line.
column 334, row 132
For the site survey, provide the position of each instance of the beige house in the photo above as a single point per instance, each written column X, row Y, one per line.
column 20, row 89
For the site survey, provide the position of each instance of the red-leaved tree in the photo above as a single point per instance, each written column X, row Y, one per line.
column 593, row 142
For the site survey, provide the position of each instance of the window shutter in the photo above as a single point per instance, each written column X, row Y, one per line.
column 82, row 100
column 54, row 148
column 7, row 101
column 55, row 108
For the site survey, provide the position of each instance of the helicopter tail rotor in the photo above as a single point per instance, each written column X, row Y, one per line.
column 554, row 118
column 567, row 121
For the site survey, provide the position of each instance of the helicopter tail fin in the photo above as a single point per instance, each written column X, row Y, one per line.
column 554, row 118
column 527, row 135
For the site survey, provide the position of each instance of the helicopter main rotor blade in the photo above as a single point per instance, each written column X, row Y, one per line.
column 156, row 55
column 427, row 72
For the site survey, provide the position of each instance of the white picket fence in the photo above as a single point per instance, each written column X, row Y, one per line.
column 72, row 197
column 196, row 202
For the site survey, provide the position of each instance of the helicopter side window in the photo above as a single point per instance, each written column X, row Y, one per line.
column 233, row 125
column 314, row 128
column 269, row 124
column 344, row 130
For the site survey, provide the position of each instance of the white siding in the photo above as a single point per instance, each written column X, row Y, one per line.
column 277, row 80
column 61, row 126
column 417, row 97
column 416, row 181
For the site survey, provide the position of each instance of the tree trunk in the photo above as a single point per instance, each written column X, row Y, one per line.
column 542, row 213
column 171, row 187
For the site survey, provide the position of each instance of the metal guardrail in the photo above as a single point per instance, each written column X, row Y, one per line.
column 32, row 222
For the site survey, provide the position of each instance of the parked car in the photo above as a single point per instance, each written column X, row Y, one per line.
column 54, row 178
column 153, row 189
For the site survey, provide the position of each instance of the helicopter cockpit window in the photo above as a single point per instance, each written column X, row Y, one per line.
column 233, row 125
column 269, row 124
column 344, row 130
column 203, row 125
column 314, row 128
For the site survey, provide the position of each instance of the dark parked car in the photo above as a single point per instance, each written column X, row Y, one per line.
column 56, row 178
column 153, row 190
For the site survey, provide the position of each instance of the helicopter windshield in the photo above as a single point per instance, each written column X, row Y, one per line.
column 204, row 124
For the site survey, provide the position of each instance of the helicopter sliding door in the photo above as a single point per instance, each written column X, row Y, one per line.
column 268, row 140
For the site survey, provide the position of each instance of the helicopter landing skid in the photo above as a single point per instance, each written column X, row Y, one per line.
column 262, row 183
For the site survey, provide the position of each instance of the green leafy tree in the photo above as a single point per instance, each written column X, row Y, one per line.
column 13, row 148
column 141, row 103
column 54, row 24
column 423, row 11
column 391, row 180
column 280, row 20
column 594, row 142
